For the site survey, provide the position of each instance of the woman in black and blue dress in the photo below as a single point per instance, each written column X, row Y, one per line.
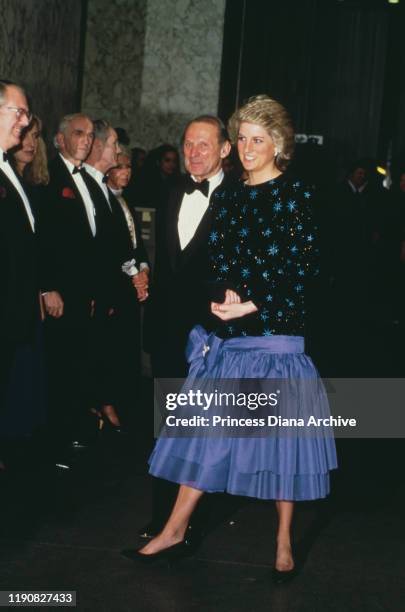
column 263, row 249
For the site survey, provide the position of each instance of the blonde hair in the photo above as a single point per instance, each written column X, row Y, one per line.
column 36, row 173
column 273, row 117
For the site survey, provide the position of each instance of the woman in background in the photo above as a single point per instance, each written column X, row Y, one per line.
column 30, row 158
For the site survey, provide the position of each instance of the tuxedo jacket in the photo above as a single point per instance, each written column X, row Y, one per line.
column 19, row 303
column 114, row 247
column 180, row 297
column 68, row 247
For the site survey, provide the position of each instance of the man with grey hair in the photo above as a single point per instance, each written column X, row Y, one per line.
column 19, row 304
column 70, row 273
column 120, row 262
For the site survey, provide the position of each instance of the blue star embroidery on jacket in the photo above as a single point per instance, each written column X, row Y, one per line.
column 213, row 238
column 307, row 194
column 245, row 272
column 291, row 205
column 243, row 232
column 272, row 249
column 264, row 315
column 253, row 194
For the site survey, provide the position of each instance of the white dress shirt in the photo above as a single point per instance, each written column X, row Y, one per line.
column 84, row 192
column 99, row 176
column 192, row 209
column 129, row 267
column 9, row 172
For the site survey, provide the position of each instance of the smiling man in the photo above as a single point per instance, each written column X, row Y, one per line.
column 182, row 255
column 179, row 301
column 19, row 304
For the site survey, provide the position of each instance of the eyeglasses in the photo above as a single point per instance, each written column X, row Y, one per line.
column 20, row 112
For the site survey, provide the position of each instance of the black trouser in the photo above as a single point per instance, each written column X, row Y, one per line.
column 67, row 353
column 115, row 355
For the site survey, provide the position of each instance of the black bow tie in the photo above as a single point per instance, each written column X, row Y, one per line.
column 105, row 178
column 5, row 156
column 77, row 169
column 192, row 186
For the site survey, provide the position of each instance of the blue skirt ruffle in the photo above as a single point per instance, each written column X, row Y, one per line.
column 291, row 467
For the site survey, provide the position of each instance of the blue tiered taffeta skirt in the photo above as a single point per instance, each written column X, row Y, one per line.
column 283, row 467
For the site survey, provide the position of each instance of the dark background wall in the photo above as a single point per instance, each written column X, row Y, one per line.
column 40, row 42
column 336, row 65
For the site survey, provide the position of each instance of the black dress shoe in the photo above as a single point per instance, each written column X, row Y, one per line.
column 172, row 553
column 78, row 445
column 283, row 577
column 63, row 466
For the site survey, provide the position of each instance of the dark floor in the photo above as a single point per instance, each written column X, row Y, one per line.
column 64, row 531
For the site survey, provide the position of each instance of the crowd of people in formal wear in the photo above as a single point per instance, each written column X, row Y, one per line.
column 237, row 244
column 75, row 272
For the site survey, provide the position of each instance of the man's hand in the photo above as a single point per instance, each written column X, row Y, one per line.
column 232, row 310
column 141, row 280
column 141, row 283
column 53, row 304
column 142, row 294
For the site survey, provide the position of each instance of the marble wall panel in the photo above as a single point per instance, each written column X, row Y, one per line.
column 40, row 48
column 113, row 62
column 183, row 50
column 151, row 65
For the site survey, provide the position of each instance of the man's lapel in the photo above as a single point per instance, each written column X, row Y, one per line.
column 9, row 191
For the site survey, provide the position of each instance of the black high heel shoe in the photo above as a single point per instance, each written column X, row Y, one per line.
column 171, row 553
column 105, row 425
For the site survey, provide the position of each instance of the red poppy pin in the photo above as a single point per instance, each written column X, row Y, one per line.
column 3, row 191
column 68, row 193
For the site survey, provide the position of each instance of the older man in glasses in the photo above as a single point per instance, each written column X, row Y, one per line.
column 19, row 304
